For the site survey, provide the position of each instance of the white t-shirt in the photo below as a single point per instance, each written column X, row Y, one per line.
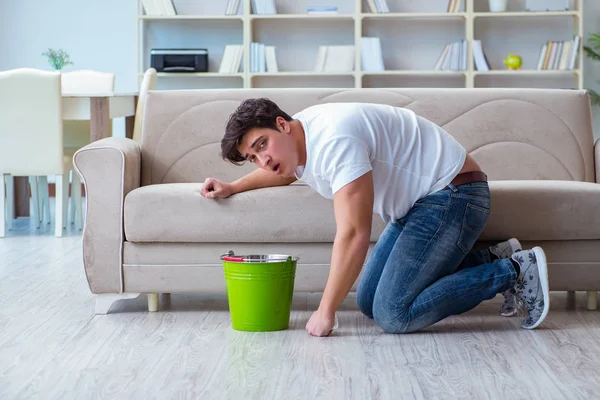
column 410, row 156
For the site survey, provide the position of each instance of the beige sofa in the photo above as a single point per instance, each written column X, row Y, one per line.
column 148, row 230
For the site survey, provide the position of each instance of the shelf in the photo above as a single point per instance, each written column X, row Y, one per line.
column 189, row 17
column 300, row 73
column 535, row 14
column 302, row 16
column 412, row 40
column 527, row 72
column 197, row 74
column 413, row 15
column 413, row 72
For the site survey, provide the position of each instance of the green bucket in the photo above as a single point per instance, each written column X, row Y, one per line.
column 259, row 290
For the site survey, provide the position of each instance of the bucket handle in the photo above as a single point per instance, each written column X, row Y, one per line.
column 228, row 258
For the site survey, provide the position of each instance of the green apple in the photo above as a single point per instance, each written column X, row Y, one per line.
column 513, row 61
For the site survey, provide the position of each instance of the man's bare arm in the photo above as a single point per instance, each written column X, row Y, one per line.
column 353, row 205
column 260, row 178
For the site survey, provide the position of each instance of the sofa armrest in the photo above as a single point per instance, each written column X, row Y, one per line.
column 597, row 160
column 109, row 168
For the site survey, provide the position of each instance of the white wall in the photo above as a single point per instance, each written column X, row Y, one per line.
column 101, row 35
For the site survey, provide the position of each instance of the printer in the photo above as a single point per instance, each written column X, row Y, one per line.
column 179, row 60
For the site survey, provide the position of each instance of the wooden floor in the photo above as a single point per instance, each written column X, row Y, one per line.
column 53, row 347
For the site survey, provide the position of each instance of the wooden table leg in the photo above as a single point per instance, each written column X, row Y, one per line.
column 99, row 118
column 21, row 198
column 130, row 121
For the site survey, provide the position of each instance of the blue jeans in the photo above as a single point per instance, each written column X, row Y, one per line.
column 422, row 269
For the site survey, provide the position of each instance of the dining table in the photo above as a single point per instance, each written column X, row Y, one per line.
column 100, row 109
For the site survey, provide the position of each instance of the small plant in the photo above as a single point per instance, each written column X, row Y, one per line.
column 58, row 59
column 593, row 53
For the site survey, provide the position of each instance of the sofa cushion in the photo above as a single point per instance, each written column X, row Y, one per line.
column 543, row 210
column 178, row 213
column 528, row 210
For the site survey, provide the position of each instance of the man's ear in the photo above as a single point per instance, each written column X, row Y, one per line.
column 282, row 125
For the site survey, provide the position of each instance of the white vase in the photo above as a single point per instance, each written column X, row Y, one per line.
column 497, row 5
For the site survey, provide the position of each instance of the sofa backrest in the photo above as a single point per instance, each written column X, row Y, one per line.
column 515, row 134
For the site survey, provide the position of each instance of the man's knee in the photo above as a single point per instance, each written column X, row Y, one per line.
column 391, row 319
column 365, row 303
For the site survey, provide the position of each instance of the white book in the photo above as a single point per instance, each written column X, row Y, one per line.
column 458, row 6
column 321, row 58
column 255, row 9
column 378, row 54
column 269, row 7
column 447, row 64
column 372, row 6
column 169, row 8
column 440, row 60
column 564, row 55
column 455, row 56
column 574, row 52
column 271, row 60
column 229, row 7
column 552, row 55
column 540, row 63
column 262, row 64
column 465, row 51
column 150, row 7
column 480, row 62
column 339, row 59
column 558, row 54
column 227, row 59
column 370, row 54
column 384, row 6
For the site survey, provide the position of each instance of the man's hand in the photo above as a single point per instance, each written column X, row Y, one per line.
column 320, row 323
column 215, row 189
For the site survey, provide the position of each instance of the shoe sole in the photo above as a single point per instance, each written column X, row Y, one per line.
column 511, row 314
column 542, row 265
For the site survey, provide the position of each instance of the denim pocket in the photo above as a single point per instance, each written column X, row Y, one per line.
column 473, row 223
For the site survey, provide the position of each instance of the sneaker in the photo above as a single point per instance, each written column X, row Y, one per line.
column 505, row 250
column 532, row 286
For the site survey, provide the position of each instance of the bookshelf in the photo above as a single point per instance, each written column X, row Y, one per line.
column 412, row 35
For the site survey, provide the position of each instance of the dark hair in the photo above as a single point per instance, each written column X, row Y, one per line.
column 251, row 113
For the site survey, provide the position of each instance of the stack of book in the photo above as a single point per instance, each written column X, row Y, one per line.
column 378, row 6
column 232, row 7
column 371, row 57
column 262, row 58
column 159, row 7
column 454, row 6
column 335, row 59
column 232, row 59
column 453, row 57
column 321, row 10
column 264, row 7
column 559, row 55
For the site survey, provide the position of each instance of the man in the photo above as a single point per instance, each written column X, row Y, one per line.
column 383, row 159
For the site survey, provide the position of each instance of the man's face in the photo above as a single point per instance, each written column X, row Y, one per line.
column 271, row 150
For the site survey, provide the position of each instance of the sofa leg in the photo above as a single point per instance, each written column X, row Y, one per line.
column 571, row 299
column 592, row 300
column 105, row 300
column 152, row 302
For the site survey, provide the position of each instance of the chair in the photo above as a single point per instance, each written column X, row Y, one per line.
column 76, row 134
column 148, row 83
column 31, row 136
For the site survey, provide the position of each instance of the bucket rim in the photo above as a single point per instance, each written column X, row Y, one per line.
column 258, row 258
